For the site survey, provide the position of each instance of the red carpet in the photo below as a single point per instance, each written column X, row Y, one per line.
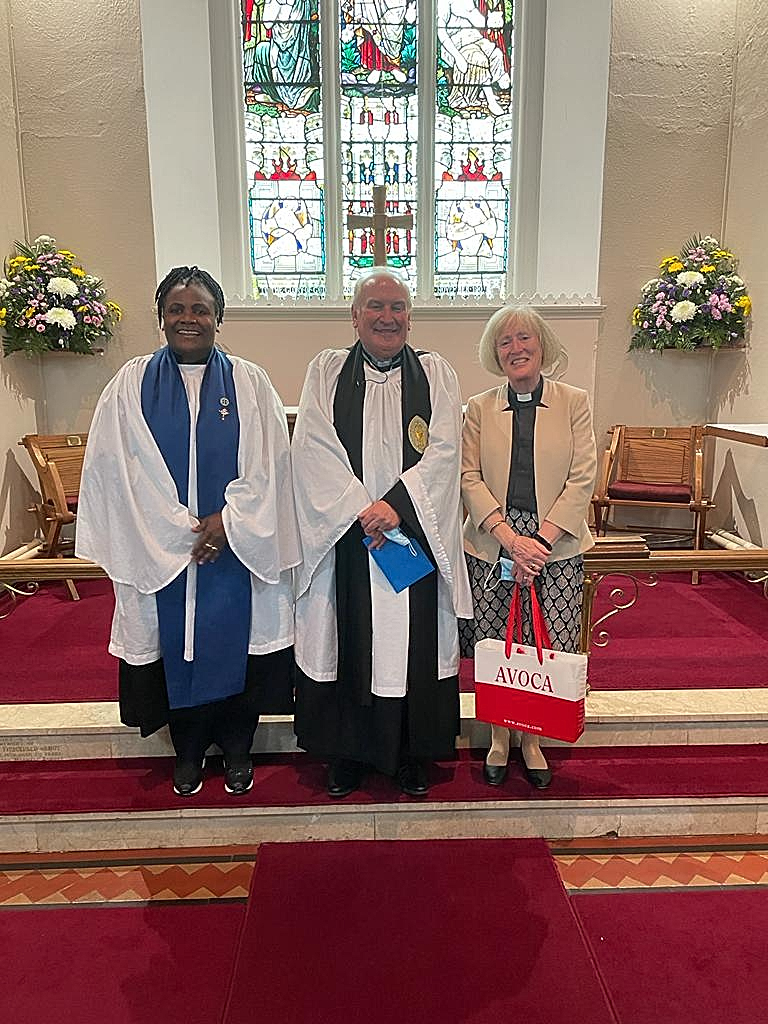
column 676, row 637
column 55, row 649
column 446, row 932
column 681, row 957
column 679, row 637
column 117, row 965
column 289, row 780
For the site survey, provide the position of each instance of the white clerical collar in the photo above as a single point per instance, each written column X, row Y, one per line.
column 525, row 398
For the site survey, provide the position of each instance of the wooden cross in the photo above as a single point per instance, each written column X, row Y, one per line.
column 379, row 222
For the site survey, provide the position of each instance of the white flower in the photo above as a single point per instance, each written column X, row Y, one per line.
column 682, row 311
column 62, row 286
column 4, row 286
column 650, row 286
column 43, row 241
column 734, row 279
column 689, row 278
column 61, row 317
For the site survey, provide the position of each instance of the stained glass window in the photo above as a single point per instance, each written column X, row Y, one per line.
column 473, row 146
column 378, row 127
column 284, row 146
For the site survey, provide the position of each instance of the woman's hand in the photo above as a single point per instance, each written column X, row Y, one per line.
column 212, row 539
column 528, row 556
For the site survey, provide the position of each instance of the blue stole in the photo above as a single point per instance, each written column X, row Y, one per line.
column 223, row 600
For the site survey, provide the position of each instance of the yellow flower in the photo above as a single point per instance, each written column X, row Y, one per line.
column 115, row 310
column 666, row 261
column 18, row 261
column 77, row 271
column 29, row 313
column 723, row 254
column 3, row 311
column 636, row 316
column 745, row 303
column 674, row 266
column 33, row 266
column 708, row 268
column 82, row 309
column 67, row 254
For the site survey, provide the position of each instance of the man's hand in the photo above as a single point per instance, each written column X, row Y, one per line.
column 376, row 518
column 212, row 539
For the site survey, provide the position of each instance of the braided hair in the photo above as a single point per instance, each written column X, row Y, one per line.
column 183, row 276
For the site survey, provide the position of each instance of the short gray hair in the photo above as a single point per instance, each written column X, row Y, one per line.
column 371, row 275
column 554, row 358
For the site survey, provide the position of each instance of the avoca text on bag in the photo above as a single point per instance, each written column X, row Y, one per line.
column 530, row 688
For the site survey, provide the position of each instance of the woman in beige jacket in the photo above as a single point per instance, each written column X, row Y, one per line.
column 528, row 470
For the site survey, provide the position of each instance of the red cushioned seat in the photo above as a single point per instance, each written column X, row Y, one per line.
column 628, row 490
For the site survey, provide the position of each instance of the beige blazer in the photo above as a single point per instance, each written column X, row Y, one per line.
column 565, row 461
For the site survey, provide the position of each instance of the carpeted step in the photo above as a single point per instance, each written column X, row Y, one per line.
column 294, row 780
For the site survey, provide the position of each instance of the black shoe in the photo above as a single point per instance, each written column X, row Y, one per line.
column 238, row 777
column 539, row 778
column 188, row 777
column 494, row 774
column 343, row 778
column 412, row 779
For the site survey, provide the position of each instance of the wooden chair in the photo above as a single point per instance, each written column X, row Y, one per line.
column 654, row 467
column 58, row 459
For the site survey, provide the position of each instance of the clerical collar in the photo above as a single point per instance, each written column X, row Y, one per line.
column 382, row 365
column 517, row 401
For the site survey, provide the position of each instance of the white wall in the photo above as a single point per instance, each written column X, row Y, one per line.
column 21, row 384
column 670, row 84
column 739, row 391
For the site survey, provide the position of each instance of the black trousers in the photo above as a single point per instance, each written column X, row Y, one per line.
column 230, row 723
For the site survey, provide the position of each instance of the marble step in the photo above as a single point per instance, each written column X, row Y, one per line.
column 613, row 718
column 653, row 791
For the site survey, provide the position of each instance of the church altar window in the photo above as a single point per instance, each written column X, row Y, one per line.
column 416, row 96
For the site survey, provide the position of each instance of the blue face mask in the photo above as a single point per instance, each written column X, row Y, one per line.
column 397, row 537
column 507, row 569
column 506, row 572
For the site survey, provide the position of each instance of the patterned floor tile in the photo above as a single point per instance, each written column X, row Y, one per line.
column 138, row 883
column 685, row 869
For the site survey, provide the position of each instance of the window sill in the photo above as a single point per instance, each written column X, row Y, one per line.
column 573, row 308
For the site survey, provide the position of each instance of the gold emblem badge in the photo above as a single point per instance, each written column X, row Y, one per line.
column 418, row 434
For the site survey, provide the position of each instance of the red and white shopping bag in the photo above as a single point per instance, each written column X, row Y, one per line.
column 532, row 689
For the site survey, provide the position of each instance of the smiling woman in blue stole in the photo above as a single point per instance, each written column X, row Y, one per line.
column 186, row 502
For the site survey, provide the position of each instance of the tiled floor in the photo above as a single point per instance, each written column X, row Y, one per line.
column 710, row 862
column 136, row 877
column 131, row 877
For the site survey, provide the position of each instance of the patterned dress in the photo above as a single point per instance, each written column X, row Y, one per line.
column 558, row 587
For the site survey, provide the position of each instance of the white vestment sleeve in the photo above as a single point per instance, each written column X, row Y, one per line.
column 434, row 482
column 129, row 517
column 329, row 497
column 258, row 515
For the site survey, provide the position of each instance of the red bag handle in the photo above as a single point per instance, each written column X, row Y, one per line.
column 514, row 633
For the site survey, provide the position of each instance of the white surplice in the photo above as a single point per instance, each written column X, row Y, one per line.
column 131, row 522
column 329, row 497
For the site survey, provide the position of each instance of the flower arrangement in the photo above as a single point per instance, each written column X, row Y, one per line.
column 697, row 301
column 48, row 303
